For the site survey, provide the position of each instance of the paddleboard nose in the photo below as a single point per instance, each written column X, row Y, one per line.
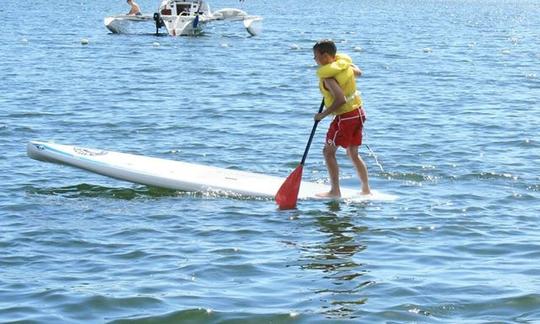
column 34, row 150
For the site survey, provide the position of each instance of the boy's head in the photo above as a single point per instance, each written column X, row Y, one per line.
column 324, row 51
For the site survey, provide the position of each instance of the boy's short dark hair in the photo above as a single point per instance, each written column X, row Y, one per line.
column 325, row 46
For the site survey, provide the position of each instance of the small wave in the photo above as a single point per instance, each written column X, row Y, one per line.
column 136, row 232
column 523, row 143
column 510, row 307
column 96, row 191
column 36, row 114
column 207, row 315
column 220, row 194
column 516, row 196
column 414, row 177
column 130, row 255
column 99, row 303
column 488, row 176
column 15, row 312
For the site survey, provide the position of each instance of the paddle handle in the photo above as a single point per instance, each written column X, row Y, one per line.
column 312, row 134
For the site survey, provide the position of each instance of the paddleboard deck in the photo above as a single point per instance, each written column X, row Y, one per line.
column 178, row 175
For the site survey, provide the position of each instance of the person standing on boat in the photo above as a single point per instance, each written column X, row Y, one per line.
column 337, row 84
column 135, row 9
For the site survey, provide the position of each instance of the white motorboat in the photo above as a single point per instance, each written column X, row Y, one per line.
column 184, row 18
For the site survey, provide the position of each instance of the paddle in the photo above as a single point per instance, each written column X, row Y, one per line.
column 287, row 194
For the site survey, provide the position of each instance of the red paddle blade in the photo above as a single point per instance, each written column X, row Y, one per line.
column 287, row 194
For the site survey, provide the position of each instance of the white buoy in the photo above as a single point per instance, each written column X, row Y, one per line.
column 85, row 41
column 358, row 49
column 427, row 50
column 295, row 47
column 155, row 44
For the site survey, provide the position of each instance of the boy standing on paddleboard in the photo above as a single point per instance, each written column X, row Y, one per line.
column 337, row 83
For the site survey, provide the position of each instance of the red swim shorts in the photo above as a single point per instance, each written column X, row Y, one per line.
column 346, row 129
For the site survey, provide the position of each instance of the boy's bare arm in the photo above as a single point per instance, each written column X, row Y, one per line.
column 339, row 98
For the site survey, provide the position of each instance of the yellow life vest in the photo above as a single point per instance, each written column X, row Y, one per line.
column 343, row 73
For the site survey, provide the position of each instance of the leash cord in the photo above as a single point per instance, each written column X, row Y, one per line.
column 363, row 113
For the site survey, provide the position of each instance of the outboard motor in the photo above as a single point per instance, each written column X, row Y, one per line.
column 159, row 21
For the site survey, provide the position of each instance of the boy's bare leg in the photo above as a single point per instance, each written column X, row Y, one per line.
column 361, row 168
column 329, row 152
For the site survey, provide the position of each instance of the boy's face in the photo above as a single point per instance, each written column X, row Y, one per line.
column 322, row 58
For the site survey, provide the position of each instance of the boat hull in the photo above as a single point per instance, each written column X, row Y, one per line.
column 123, row 24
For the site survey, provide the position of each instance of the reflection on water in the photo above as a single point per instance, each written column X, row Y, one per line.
column 335, row 256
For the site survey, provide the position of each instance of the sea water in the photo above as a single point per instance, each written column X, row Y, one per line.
column 451, row 91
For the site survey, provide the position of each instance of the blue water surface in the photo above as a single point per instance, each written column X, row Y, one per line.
column 452, row 93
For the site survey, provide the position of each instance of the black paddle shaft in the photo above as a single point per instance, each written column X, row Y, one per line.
column 312, row 134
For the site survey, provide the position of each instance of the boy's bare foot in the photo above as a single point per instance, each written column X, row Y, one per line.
column 329, row 194
column 366, row 191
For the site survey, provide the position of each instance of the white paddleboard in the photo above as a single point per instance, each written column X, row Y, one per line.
column 178, row 175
